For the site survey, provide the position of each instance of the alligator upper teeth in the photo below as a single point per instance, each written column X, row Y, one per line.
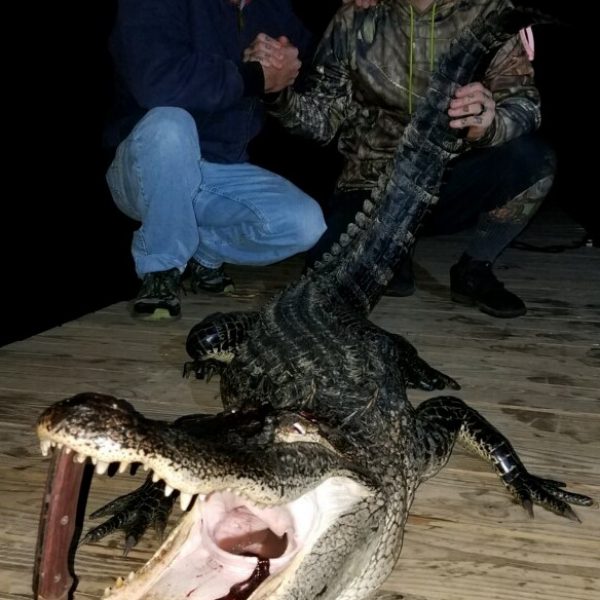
column 45, row 447
column 101, row 467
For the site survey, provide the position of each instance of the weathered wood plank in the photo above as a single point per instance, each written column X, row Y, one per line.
column 536, row 378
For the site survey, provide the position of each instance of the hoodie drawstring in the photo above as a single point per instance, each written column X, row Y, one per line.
column 411, row 50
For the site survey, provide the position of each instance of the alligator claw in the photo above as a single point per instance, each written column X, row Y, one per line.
column 527, row 505
column 130, row 542
column 133, row 513
column 189, row 367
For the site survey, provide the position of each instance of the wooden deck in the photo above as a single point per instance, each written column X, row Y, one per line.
column 537, row 378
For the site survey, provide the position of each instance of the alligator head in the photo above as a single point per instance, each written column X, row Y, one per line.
column 263, row 494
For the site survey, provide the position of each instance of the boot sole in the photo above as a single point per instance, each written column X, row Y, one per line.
column 394, row 293
column 468, row 301
column 158, row 314
column 228, row 289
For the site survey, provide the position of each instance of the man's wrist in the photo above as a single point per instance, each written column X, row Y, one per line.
column 486, row 138
column 253, row 77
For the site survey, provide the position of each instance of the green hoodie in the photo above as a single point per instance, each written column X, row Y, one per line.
column 372, row 69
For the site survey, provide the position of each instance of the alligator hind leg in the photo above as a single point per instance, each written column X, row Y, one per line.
column 445, row 420
column 417, row 372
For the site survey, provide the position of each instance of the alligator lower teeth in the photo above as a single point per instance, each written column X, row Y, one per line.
column 184, row 500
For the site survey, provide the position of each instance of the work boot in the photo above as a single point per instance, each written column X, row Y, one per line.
column 473, row 282
column 158, row 297
column 403, row 281
column 209, row 280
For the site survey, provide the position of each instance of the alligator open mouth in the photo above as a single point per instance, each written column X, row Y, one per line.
column 225, row 546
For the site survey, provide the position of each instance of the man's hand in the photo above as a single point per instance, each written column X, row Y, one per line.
column 266, row 50
column 362, row 3
column 472, row 107
column 278, row 58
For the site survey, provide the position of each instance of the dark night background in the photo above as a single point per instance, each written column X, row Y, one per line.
column 66, row 247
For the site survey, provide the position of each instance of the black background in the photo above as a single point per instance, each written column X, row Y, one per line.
column 65, row 246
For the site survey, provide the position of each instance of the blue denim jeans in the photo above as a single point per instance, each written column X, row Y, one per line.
column 189, row 207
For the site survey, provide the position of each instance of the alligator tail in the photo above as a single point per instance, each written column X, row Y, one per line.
column 362, row 262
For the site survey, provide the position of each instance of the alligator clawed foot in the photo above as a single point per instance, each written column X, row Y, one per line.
column 421, row 376
column 189, row 367
column 133, row 513
column 203, row 369
column 529, row 490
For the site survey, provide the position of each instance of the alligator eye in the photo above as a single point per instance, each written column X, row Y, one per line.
column 299, row 428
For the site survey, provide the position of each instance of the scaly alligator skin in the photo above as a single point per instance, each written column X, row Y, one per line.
column 302, row 487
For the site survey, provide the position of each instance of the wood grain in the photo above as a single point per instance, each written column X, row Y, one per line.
column 536, row 378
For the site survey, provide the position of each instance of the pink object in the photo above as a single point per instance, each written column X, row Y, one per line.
column 526, row 36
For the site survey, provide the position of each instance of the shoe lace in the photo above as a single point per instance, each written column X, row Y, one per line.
column 162, row 283
column 200, row 273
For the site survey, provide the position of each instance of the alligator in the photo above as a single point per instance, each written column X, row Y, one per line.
column 301, row 487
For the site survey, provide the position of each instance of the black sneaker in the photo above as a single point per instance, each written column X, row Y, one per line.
column 158, row 297
column 403, row 282
column 473, row 282
column 209, row 280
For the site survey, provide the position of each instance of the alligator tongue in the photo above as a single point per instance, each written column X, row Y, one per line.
column 52, row 575
column 242, row 590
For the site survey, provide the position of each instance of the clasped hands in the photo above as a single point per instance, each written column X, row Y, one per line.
column 278, row 58
column 472, row 108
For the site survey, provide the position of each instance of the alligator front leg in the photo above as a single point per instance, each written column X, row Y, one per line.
column 134, row 513
column 149, row 506
column 212, row 343
column 445, row 420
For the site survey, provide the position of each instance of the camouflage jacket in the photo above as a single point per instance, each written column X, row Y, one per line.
column 372, row 68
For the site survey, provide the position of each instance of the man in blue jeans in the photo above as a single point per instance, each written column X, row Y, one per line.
column 189, row 89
